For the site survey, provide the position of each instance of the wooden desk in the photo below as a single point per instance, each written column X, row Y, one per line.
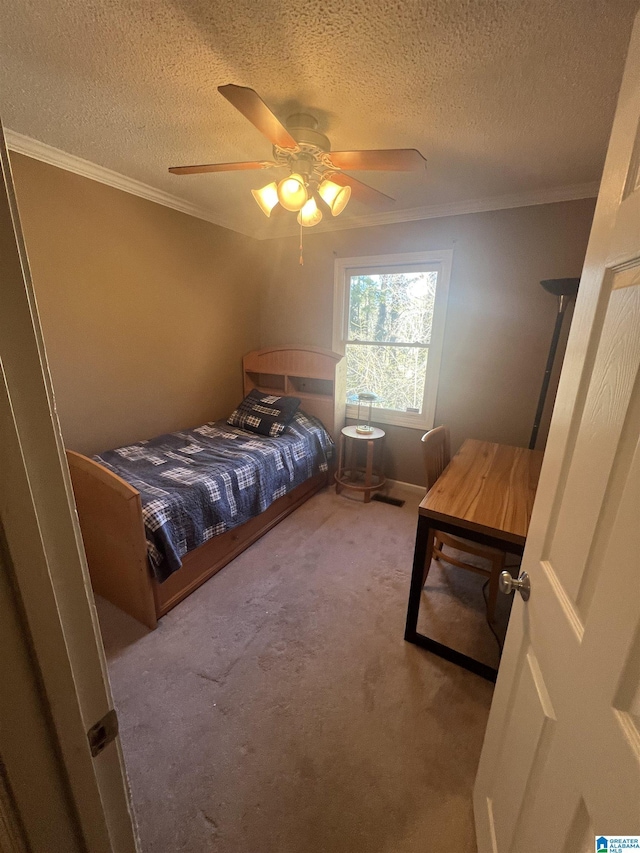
column 485, row 495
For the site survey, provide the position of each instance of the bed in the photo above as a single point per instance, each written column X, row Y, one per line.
column 148, row 575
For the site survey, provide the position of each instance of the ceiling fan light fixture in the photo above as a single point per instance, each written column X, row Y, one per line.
column 310, row 214
column 292, row 193
column 335, row 196
column 266, row 197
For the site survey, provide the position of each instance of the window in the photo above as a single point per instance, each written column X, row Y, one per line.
column 389, row 321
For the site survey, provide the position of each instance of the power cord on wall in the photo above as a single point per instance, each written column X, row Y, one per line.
column 486, row 616
column 486, row 609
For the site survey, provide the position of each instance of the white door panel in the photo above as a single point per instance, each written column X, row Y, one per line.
column 580, row 835
column 49, row 573
column 604, row 415
column 561, row 759
column 524, row 748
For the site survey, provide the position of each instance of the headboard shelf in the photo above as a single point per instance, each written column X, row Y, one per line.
column 310, row 386
column 268, row 381
column 317, row 376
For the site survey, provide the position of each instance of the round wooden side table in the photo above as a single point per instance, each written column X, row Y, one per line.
column 346, row 475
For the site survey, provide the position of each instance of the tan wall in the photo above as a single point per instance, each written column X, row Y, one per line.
column 499, row 320
column 146, row 311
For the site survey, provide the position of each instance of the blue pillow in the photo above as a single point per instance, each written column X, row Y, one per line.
column 264, row 414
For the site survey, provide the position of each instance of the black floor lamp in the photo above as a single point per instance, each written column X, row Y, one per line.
column 565, row 289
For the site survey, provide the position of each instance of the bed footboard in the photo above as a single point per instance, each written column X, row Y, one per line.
column 110, row 515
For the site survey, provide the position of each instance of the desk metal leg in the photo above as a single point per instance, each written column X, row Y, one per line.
column 424, row 536
column 422, row 553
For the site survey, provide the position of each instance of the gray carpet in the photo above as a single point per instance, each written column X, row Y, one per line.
column 278, row 709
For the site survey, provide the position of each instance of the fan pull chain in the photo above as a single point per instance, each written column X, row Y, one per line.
column 301, row 251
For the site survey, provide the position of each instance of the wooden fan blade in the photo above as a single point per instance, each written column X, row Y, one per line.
column 253, row 108
column 387, row 160
column 222, row 167
column 360, row 191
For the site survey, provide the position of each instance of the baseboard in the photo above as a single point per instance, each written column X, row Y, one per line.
column 412, row 487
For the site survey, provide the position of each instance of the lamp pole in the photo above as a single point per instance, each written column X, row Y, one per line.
column 565, row 289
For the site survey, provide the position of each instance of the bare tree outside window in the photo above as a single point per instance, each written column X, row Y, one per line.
column 390, row 317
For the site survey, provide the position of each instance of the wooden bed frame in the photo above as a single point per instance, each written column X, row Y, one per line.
column 110, row 509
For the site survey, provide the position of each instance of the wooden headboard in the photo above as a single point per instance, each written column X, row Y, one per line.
column 317, row 376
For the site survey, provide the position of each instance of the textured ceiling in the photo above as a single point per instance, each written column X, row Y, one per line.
column 501, row 96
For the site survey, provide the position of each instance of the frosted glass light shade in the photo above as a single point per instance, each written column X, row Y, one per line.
column 310, row 214
column 292, row 193
column 267, row 197
column 335, row 196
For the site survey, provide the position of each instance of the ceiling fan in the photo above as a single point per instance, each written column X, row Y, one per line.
column 316, row 178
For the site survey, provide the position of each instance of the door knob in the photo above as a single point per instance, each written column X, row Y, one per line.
column 508, row 584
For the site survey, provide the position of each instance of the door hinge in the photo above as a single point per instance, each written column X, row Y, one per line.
column 103, row 732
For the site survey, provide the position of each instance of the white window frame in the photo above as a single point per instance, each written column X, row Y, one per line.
column 440, row 260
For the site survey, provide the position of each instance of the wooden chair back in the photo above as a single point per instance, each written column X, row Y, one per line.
column 436, row 446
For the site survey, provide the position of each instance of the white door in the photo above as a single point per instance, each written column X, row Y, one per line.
column 561, row 758
column 44, row 569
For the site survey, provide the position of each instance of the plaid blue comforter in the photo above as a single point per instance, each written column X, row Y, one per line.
column 198, row 483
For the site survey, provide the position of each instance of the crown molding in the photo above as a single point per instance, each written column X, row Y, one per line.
column 37, row 150
column 55, row 157
column 573, row 192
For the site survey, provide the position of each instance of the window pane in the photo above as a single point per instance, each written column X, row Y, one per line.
column 396, row 374
column 392, row 307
